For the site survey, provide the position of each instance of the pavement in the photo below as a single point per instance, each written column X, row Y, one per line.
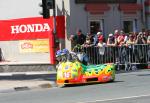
column 19, row 81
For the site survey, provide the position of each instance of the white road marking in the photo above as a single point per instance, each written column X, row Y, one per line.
column 113, row 99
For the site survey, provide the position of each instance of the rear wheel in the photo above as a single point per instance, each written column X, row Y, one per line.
column 112, row 80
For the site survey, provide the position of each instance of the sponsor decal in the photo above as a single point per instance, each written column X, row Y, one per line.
column 36, row 46
column 26, row 45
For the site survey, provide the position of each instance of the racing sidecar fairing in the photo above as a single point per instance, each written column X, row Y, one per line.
column 75, row 73
column 71, row 70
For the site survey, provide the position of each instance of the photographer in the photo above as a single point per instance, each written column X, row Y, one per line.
column 140, row 56
column 141, row 39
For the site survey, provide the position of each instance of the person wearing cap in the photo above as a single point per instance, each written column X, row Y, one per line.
column 111, row 41
column 100, row 48
column 98, row 37
column 116, row 33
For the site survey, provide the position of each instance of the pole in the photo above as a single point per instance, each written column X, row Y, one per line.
column 54, row 31
column 54, row 18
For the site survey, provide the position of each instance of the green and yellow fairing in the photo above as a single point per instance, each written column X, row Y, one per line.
column 75, row 72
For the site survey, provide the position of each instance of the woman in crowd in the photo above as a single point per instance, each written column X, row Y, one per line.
column 131, row 40
column 141, row 39
column 122, row 38
column 111, row 41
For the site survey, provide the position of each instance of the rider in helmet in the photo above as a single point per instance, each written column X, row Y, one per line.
column 65, row 54
column 65, row 51
column 58, row 55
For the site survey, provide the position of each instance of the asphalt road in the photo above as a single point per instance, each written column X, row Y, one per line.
column 131, row 87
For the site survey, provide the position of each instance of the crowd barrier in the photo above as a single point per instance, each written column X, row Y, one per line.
column 124, row 55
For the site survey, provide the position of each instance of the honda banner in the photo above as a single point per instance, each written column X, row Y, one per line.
column 32, row 36
column 30, row 28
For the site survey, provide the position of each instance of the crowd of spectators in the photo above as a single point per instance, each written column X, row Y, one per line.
column 115, row 44
column 118, row 38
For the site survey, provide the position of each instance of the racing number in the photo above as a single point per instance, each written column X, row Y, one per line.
column 67, row 75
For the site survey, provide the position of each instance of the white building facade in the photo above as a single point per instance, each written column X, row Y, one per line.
column 105, row 15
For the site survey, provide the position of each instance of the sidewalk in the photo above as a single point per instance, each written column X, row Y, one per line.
column 11, row 82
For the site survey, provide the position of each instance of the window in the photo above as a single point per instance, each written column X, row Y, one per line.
column 95, row 26
column 130, row 26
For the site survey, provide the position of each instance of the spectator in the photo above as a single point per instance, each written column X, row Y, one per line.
column 98, row 37
column 111, row 41
column 148, row 39
column 100, row 42
column 140, row 54
column 148, row 36
column 88, row 42
column 122, row 53
column 116, row 33
column 130, row 40
column 134, row 34
column 122, row 38
column 101, row 48
column 78, row 38
column 141, row 39
column 90, row 36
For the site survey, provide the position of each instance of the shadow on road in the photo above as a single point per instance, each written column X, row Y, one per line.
column 87, row 84
column 143, row 75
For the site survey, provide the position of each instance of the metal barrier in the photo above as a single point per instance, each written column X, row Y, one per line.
column 129, row 56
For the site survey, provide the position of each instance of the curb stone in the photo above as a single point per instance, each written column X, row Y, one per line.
column 24, row 88
column 7, row 90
